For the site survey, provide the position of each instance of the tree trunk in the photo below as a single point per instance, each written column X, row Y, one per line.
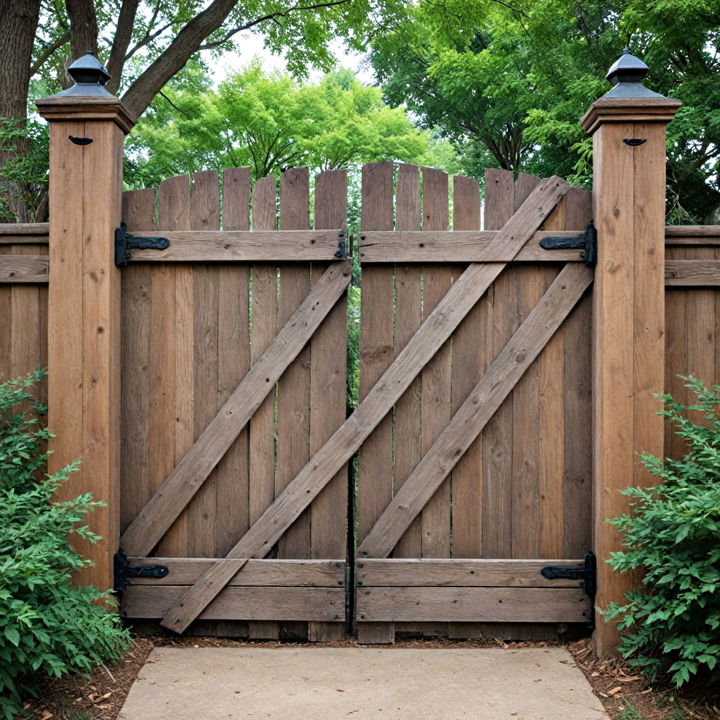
column 18, row 23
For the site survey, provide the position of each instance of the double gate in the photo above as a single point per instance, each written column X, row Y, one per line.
column 470, row 444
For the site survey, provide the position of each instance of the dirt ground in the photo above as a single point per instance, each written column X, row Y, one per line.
column 625, row 694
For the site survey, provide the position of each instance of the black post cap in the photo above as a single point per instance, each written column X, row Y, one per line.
column 627, row 74
column 88, row 70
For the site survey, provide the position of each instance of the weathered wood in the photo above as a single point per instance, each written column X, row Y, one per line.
column 84, row 315
column 285, row 245
column 676, row 234
column 502, row 375
column 243, row 603
column 190, row 473
column 456, row 246
column 328, row 372
column 263, row 328
column 461, row 573
column 260, row 539
column 281, row 573
column 375, row 462
column 472, row 604
column 408, row 318
column 24, row 268
column 11, row 229
column 628, row 318
column 692, row 273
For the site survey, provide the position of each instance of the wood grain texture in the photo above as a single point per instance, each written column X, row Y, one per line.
column 190, row 473
column 328, row 526
column 472, row 604
column 24, row 268
column 500, row 378
column 438, row 327
column 375, row 463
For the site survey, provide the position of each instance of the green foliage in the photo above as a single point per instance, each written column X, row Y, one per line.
column 269, row 122
column 673, row 536
column 24, row 159
column 47, row 625
column 508, row 82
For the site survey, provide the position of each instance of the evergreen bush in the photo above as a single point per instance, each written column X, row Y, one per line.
column 672, row 535
column 47, row 625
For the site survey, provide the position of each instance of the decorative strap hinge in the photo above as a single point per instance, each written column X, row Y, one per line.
column 124, row 571
column 587, row 242
column 585, row 572
column 125, row 242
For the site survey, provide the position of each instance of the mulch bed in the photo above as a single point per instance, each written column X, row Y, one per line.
column 624, row 692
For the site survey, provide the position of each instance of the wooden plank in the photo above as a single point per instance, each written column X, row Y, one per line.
column 281, row 573
column 408, row 318
column 577, row 409
column 25, row 318
column 24, row 240
column 231, row 482
column 497, row 437
column 457, row 246
column 190, row 473
column 691, row 231
column 375, row 463
column 437, row 374
column 204, row 215
column 301, row 245
column 6, row 328
column 293, row 394
column 479, row 407
column 468, row 366
column 174, row 213
column 470, row 604
column 438, row 327
column 692, row 273
column 461, row 573
column 328, row 398
column 264, row 327
column 138, row 209
column 243, row 603
column 24, row 268
column 24, row 229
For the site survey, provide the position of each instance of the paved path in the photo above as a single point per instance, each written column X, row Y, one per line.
column 360, row 684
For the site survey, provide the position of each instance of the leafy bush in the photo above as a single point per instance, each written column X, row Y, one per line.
column 47, row 626
column 673, row 536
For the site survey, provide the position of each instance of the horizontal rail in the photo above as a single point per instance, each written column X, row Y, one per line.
column 24, row 268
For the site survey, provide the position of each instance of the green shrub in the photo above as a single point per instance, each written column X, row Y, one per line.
column 47, row 626
column 673, row 535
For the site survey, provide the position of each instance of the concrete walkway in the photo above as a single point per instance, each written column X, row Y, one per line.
column 361, row 683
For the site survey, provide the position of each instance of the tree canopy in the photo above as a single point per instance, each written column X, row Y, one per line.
column 508, row 81
column 269, row 122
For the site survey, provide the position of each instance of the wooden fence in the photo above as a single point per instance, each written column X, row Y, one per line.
column 505, row 388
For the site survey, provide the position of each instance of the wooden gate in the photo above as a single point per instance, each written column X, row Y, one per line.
column 435, row 372
column 233, row 372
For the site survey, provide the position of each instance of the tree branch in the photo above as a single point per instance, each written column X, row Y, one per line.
column 121, row 41
column 48, row 51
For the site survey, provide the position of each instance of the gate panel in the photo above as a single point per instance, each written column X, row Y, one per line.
column 191, row 331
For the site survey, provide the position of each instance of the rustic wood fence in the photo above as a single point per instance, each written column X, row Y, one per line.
column 505, row 387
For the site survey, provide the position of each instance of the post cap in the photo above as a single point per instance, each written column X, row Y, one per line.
column 629, row 99
column 88, row 70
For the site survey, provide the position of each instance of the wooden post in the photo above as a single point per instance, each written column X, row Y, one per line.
column 628, row 128
column 87, row 126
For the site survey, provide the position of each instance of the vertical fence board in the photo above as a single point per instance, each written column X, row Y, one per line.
column 204, row 215
column 436, row 376
column 233, row 362
column 138, row 213
column 497, row 436
column 408, row 318
column 376, row 343
column 328, row 524
column 262, row 424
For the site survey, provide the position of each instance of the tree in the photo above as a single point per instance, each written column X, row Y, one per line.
column 508, row 81
column 145, row 43
column 270, row 122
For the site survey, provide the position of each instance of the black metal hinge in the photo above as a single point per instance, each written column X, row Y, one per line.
column 123, row 571
column 585, row 572
column 587, row 242
column 125, row 242
column 341, row 252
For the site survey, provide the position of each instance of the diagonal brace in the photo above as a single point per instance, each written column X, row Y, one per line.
column 422, row 347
